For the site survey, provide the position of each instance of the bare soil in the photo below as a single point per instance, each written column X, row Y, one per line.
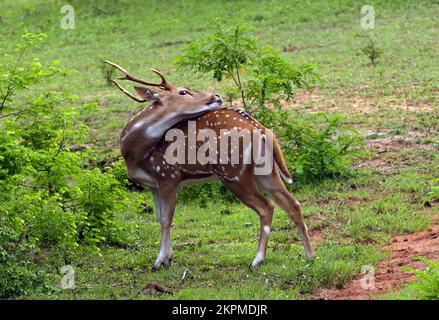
column 388, row 275
column 387, row 148
column 357, row 102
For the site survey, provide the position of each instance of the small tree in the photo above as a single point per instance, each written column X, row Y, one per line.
column 371, row 50
column 232, row 52
column 226, row 52
column 273, row 78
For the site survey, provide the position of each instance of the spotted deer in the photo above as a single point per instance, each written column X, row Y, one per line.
column 148, row 137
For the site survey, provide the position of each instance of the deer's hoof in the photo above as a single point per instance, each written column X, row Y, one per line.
column 156, row 267
column 310, row 255
column 256, row 264
column 165, row 263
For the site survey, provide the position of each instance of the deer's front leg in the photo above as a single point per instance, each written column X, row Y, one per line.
column 165, row 199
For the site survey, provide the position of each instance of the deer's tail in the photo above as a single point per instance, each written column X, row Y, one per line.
column 279, row 159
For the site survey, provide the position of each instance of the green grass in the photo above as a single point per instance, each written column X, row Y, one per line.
column 355, row 215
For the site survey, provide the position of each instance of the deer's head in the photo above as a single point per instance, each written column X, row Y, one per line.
column 179, row 100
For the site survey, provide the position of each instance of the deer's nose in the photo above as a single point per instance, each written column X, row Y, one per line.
column 218, row 97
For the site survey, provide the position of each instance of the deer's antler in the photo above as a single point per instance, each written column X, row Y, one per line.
column 127, row 76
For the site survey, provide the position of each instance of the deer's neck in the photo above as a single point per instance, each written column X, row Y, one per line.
column 144, row 131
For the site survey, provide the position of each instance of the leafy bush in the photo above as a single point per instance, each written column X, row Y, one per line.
column 426, row 286
column 274, row 78
column 20, row 277
column 48, row 197
column 315, row 146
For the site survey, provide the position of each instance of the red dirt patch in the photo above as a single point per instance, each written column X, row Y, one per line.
column 388, row 277
column 391, row 146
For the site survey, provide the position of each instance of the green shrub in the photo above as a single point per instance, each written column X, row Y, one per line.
column 426, row 286
column 315, row 146
column 48, row 196
column 274, row 78
column 19, row 277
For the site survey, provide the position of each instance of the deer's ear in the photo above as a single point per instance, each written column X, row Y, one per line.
column 147, row 94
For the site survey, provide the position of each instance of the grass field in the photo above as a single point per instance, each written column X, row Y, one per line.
column 394, row 104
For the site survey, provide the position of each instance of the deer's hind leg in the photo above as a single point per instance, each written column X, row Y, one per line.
column 251, row 197
column 274, row 186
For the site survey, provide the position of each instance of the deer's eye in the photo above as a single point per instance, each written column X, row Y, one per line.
column 183, row 92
